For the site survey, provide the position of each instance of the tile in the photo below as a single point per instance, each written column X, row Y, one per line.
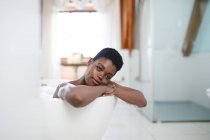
column 174, row 129
column 128, row 123
column 183, row 137
column 204, row 125
column 128, row 133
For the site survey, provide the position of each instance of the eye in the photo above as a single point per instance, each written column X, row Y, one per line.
column 108, row 77
column 99, row 68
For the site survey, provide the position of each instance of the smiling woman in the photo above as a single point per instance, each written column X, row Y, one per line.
column 96, row 82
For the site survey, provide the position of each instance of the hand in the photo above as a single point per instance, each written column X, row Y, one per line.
column 110, row 90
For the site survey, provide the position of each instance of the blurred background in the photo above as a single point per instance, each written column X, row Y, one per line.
column 165, row 47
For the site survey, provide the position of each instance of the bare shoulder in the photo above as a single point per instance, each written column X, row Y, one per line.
column 70, row 83
column 76, row 82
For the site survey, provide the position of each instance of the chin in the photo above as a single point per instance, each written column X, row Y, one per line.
column 90, row 84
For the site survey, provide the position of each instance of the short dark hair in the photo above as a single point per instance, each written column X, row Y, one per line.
column 111, row 54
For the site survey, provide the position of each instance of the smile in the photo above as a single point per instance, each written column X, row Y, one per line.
column 95, row 82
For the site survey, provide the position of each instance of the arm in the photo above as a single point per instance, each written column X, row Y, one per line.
column 130, row 95
column 82, row 95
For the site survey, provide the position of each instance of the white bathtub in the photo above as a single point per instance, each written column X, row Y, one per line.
column 64, row 122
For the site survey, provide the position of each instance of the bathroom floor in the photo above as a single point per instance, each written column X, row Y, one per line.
column 128, row 123
column 168, row 111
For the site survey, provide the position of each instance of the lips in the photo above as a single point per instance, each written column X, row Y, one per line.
column 95, row 82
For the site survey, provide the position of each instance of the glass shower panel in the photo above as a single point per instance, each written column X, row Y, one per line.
column 180, row 83
column 176, row 90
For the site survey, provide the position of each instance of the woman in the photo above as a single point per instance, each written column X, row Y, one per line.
column 96, row 82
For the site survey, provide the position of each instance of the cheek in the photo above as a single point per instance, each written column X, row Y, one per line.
column 94, row 72
column 105, row 81
column 88, row 78
column 89, row 73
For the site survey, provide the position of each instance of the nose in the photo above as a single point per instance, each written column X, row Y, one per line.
column 100, row 76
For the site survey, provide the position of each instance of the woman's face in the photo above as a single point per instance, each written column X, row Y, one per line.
column 99, row 72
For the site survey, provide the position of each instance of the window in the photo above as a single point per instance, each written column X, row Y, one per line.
column 81, row 32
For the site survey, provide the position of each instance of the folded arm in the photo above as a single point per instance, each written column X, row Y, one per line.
column 130, row 95
column 82, row 95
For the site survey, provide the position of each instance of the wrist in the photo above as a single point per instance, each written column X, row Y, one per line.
column 116, row 90
column 101, row 90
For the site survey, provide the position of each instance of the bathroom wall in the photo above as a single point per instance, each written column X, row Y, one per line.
column 19, row 59
column 202, row 42
column 141, row 56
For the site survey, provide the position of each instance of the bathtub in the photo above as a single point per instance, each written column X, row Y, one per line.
column 65, row 122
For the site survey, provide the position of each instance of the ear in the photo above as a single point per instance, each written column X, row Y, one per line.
column 90, row 61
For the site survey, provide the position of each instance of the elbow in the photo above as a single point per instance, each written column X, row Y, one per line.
column 75, row 101
column 143, row 103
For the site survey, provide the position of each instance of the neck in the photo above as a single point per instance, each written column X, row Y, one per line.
column 80, row 81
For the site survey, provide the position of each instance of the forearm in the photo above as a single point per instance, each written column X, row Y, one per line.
column 130, row 95
column 82, row 95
